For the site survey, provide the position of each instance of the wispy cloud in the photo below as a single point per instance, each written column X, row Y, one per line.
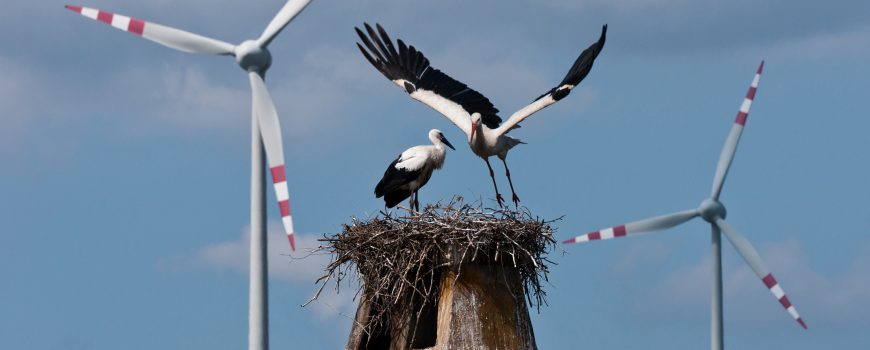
column 301, row 268
column 636, row 256
column 834, row 299
column 617, row 5
column 707, row 27
column 186, row 96
column 34, row 106
column 312, row 97
column 294, row 268
column 847, row 42
column 14, row 86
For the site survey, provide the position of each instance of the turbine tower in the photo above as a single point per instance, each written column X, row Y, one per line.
column 254, row 57
column 712, row 211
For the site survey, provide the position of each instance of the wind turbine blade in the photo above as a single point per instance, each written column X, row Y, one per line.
column 647, row 225
column 750, row 255
column 270, row 129
column 166, row 36
column 730, row 147
column 284, row 16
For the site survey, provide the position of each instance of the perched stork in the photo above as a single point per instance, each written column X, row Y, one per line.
column 468, row 109
column 411, row 170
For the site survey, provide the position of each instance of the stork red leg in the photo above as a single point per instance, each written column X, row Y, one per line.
column 498, row 197
column 507, row 172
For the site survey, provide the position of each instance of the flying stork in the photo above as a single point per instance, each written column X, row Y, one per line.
column 411, row 170
column 472, row 112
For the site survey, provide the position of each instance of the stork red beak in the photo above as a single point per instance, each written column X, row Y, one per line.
column 473, row 131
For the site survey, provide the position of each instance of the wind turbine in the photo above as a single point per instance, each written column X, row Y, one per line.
column 712, row 211
column 254, row 57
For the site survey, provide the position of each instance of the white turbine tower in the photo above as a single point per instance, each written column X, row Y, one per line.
column 254, row 57
column 712, row 211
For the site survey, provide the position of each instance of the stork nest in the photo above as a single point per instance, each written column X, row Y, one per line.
column 397, row 257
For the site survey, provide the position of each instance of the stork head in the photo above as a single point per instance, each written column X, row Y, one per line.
column 475, row 124
column 437, row 137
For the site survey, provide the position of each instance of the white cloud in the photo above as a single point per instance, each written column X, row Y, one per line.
column 186, row 96
column 685, row 292
column 311, row 98
column 299, row 267
column 302, row 268
column 853, row 41
column 33, row 103
column 839, row 298
column 13, row 90
column 636, row 256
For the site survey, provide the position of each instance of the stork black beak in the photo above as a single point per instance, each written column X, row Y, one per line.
column 444, row 139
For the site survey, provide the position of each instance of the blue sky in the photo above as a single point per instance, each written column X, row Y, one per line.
column 123, row 202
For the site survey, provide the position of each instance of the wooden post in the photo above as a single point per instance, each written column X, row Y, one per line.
column 480, row 305
column 483, row 307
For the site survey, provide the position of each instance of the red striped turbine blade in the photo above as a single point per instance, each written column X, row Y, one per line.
column 646, row 225
column 270, row 132
column 608, row 233
column 779, row 294
column 132, row 25
column 279, row 180
column 750, row 255
column 743, row 113
column 730, row 147
column 166, row 36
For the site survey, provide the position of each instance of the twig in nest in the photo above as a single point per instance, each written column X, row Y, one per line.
column 398, row 257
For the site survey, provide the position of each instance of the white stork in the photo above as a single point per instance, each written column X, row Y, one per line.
column 411, row 170
column 468, row 109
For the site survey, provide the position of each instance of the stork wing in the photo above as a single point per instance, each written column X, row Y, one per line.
column 404, row 169
column 575, row 75
column 410, row 70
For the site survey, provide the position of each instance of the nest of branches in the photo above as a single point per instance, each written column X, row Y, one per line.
column 398, row 257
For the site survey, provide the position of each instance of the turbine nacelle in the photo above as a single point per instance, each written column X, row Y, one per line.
column 710, row 209
column 251, row 56
column 254, row 57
